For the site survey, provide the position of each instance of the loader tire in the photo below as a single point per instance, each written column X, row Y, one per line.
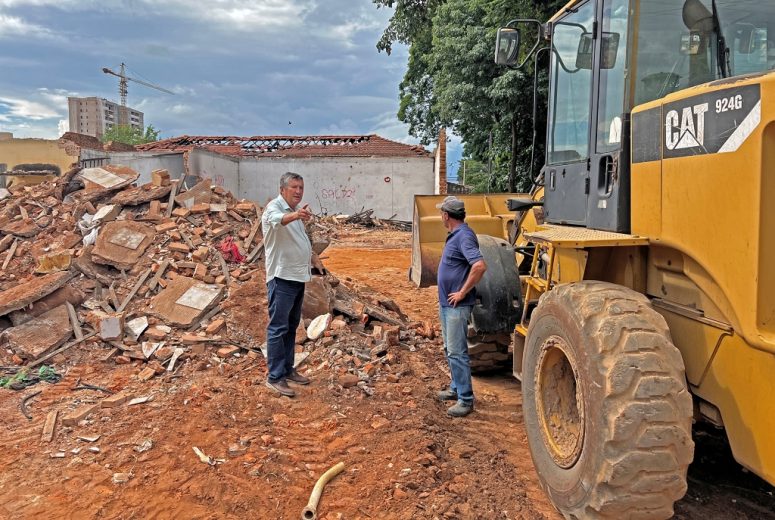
column 606, row 408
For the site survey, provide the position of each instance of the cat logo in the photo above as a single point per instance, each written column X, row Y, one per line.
column 688, row 129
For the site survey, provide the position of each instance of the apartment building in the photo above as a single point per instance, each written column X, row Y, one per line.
column 93, row 115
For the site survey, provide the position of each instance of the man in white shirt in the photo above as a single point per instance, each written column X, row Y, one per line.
column 289, row 260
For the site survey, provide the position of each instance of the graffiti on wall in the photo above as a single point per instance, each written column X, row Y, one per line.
column 337, row 193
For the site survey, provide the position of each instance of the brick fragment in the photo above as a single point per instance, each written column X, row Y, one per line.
column 167, row 226
column 160, row 177
column 215, row 326
column 179, row 247
column 227, row 352
column 115, row 400
column 79, row 414
column 181, row 212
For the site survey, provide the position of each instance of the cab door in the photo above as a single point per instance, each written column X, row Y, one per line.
column 609, row 195
column 566, row 173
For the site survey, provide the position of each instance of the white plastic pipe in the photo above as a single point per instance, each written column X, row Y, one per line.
column 310, row 512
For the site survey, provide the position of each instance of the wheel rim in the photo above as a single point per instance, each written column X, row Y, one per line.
column 559, row 402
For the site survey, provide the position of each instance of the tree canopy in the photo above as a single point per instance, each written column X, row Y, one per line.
column 452, row 81
column 130, row 135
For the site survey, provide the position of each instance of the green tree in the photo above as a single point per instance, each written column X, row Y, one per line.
column 452, row 81
column 130, row 135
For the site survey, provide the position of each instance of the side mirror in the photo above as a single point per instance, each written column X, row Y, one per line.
column 610, row 48
column 507, row 47
column 584, row 53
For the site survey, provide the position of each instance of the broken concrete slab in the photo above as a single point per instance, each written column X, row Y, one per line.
column 25, row 228
column 319, row 298
column 40, row 335
column 185, row 301
column 140, row 194
column 122, row 243
column 199, row 193
column 67, row 293
column 84, row 264
column 107, row 178
column 31, row 290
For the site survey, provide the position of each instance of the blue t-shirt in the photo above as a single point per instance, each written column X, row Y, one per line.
column 460, row 252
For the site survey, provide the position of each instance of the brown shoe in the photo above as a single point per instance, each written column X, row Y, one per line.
column 295, row 377
column 281, row 387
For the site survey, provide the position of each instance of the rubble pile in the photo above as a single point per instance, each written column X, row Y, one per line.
column 364, row 219
column 162, row 273
column 139, row 271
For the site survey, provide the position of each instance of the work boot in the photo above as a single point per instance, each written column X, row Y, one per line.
column 281, row 387
column 447, row 395
column 460, row 409
column 295, row 377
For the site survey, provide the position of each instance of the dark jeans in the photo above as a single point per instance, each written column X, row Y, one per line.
column 285, row 299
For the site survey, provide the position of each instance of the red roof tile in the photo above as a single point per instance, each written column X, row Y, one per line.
column 82, row 140
column 292, row 146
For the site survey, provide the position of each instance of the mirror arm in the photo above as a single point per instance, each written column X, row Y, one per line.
column 540, row 26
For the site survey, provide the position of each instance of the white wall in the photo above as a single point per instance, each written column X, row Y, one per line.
column 222, row 170
column 333, row 185
column 144, row 163
column 344, row 185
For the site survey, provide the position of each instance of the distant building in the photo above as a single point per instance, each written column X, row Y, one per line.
column 94, row 116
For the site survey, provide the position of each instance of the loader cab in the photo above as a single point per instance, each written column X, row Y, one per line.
column 608, row 56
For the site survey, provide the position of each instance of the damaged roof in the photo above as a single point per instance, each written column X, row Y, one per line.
column 292, row 146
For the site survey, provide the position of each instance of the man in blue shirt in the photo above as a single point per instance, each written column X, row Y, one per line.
column 460, row 269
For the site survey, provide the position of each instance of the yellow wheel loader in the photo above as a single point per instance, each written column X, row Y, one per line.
column 640, row 291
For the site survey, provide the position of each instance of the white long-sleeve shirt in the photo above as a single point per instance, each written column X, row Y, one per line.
column 288, row 249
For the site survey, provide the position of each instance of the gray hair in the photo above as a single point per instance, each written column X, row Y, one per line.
column 288, row 177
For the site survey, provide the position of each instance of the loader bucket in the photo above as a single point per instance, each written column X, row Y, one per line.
column 486, row 214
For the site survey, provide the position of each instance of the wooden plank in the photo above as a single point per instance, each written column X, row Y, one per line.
column 6, row 242
column 171, row 201
column 114, row 301
column 204, row 319
column 224, row 267
column 49, row 426
column 255, row 253
column 138, row 284
column 253, row 231
column 236, row 216
column 10, row 254
column 60, row 350
column 186, row 239
column 74, row 321
column 23, row 212
column 159, row 273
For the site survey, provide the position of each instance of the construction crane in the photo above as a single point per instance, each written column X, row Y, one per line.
column 123, row 79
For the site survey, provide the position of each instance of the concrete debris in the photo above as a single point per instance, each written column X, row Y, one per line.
column 185, row 301
column 121, row 244
column 111, row 326
column 134, row 328
column 40, row 335
column 106, row 213
column 31, row 290
column 54, row 262
column 318, row 326
column 141, row 195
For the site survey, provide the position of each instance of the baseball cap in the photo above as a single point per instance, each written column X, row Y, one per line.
column 451, row 204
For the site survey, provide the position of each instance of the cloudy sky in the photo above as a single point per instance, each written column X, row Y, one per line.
column 237, row 67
